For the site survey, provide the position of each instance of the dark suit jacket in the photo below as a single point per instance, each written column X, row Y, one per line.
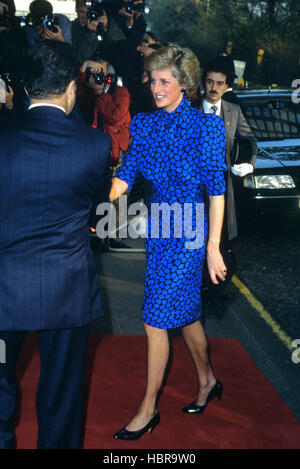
column 236, row 128
column 51, row 169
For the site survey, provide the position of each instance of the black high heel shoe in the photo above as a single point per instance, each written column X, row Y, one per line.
column 216, row 391
column 127, row 435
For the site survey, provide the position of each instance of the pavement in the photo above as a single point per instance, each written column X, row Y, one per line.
column 121, row 277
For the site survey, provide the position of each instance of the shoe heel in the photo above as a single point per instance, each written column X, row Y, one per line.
column 219, row 390
column 155, row 421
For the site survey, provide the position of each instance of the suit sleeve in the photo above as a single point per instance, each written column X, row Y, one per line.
column 244, row 131
column 102, row 192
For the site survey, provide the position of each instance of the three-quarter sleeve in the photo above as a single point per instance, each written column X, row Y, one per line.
column 213, row 165
column 131, row 159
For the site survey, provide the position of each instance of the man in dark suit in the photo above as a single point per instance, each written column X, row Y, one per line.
column 51, row 170
column 216, row 80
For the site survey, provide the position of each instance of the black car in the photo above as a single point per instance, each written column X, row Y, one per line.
column 274, row 117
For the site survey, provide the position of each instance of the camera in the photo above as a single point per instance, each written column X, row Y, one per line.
column 4, row 19
column 131, row 7
column 96, row 8
column 100, row 78
column 48, row 21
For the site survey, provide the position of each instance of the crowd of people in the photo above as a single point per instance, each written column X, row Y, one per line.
column 185, row 143
column 105, row 64
column 111, row 82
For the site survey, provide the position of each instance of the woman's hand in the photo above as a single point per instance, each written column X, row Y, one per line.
column 215, row 263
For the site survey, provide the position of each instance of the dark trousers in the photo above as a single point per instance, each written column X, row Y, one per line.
column 59, row 393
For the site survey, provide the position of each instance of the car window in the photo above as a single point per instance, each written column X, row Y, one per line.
column 272, row 118
column 290, row 153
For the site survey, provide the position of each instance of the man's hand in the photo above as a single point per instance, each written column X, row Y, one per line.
column 242, row 169
column 92, row 25
column 57, row 36
column 137, row 14
column 145, row 50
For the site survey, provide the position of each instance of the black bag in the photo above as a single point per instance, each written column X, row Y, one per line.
column 215, row 291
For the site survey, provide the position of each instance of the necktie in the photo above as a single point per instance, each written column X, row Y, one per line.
column 214, row 109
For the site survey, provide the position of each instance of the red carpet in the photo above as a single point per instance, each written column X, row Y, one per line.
column 250, row 415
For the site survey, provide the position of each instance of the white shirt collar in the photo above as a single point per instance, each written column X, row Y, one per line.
column 207, row 107
column 46, row 104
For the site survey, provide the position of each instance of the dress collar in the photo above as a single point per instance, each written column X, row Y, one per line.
column 181, row 108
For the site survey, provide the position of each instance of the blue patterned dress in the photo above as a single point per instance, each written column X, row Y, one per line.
column 182, row 153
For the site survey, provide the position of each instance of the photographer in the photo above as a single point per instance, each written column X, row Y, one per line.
column 130, row 18
column 89, row 32
column 131, row 21
column 104, row 104
column 42, row 24
column 13, row 49
column 86, row 31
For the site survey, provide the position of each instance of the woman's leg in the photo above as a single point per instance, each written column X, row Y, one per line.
column 157, row 359
column 196, row 341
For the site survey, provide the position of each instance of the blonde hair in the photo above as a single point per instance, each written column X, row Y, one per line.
column 181, row 61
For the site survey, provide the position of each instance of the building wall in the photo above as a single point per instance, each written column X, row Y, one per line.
column 67, row 7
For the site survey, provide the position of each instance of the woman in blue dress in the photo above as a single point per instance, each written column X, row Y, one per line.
column 181, row 151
